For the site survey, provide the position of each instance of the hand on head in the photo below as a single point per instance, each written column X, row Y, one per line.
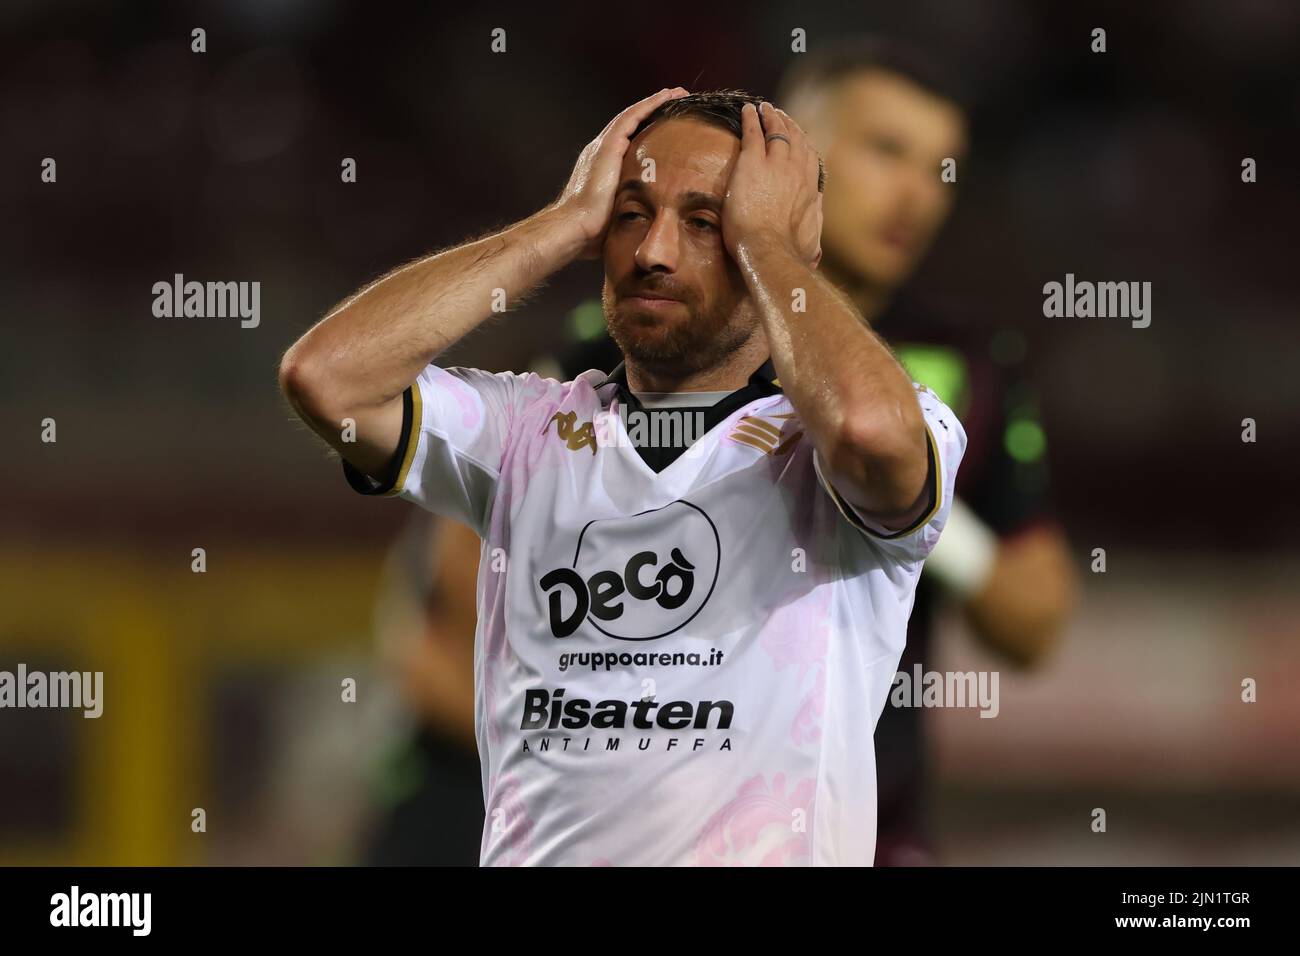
column 774, row 193
column 589, row 195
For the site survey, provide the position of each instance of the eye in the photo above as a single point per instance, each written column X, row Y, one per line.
column 706, row 224
column 630, row 215
column 887, row 145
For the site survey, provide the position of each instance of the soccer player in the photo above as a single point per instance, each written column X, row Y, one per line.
column 681, row 648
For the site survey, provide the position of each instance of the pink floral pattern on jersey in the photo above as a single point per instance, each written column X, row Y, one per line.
column 466, row 397
column 523, row 458
column 493, row 624
column 535, row 387
column 508, row 825
column 807, row 726
column 757, row 826
column 496, row 688
column 799, row 636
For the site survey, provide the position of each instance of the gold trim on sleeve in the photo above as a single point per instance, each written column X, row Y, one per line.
column 858, row 522
column 412, row 442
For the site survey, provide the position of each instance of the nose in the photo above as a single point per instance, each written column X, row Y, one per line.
column 924, row 190
column 658, row 249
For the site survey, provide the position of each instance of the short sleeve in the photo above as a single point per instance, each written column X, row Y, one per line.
column 946, row 443
column 455, row 427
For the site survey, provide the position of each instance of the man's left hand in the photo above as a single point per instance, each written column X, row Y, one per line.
column 773, row 195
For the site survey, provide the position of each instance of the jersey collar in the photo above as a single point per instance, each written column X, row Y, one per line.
column 761, row 383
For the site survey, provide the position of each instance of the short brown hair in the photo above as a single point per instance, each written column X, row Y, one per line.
column 837, row 59
column 719, row 108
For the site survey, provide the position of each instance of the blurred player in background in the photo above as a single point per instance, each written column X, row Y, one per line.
column 885, row 120
column 430, row 790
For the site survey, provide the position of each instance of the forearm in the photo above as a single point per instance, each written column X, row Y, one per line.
column 346, row 377
column 1023, row 606
column 370, row 348
column 856, row 403
column 444, row 682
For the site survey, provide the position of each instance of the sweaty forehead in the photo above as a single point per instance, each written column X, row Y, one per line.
column 688, row 155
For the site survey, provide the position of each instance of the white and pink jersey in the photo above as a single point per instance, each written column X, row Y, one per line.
column 682, row 667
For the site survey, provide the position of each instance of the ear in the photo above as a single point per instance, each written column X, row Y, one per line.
column 821, row 222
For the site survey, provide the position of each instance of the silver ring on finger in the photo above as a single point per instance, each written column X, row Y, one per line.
column 771, row 136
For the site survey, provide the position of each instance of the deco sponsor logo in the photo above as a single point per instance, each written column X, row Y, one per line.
column 636, row 578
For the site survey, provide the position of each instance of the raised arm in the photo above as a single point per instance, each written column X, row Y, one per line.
column 855, row 401
column 358, row 360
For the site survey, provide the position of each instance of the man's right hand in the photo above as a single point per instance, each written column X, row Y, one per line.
column 588, row 198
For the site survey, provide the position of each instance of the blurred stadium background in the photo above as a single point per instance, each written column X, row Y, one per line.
column 222, row 689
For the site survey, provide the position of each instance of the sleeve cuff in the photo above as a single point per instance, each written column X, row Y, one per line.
column 934, row 484
column 394, row 478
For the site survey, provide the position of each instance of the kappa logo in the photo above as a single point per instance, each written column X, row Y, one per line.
column 575, row 437
column 639, row 577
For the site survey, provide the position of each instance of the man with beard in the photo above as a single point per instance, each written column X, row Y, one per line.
column 766, row 576
column 887, row 119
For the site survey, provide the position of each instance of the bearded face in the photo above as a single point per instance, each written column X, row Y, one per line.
column 674, row 300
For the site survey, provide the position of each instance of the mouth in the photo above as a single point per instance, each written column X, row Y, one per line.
column 652, row 301
column 900, row 239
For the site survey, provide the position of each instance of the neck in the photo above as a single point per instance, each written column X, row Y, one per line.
column 731, row 373
column 869, row 298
